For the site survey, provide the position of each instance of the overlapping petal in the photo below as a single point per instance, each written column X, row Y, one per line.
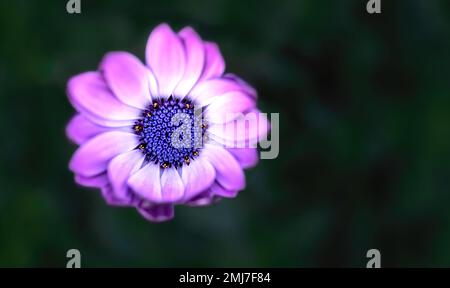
column 80, row 129
column 197, row 177
column 229, row 173
column 247, row 157
column 97, row 181
column 89, row 93
column 228, row 107
column 243, row 132
column 166, row 57
column 146, row 183
column 195, row 61
column 92, row 157
column 128, row 78
column 157, row 213
column 206, row 92
column 214, row 63
column 120, row 168
column 172, row 187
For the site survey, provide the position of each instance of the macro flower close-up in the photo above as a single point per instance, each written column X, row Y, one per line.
column 130, row 114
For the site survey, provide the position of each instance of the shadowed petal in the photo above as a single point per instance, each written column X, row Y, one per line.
column 228, row 106
column 195, row 58
column 146, row 183
column 153, row 84
column 121, row 167
column 197, row 177
column 172, row 186
column 247, row 88
column 215, row 65
column 102, row 121
column 89, row 94
column 219, row 190
column 111, row 198
column 157, row 213
column 243, row 132
column 97, row 181
column 93, row 156
column 80, row 129
column 247, row 157
column 128, row 78
column 229, row 173
column 206, row 92
column 203, row 199
column 166, row 58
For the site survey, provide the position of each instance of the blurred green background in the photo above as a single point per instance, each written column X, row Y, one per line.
column 364, row 103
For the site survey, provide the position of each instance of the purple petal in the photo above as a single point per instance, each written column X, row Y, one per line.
column 166, row 58
column 203, row 199
column 228, row 106
column 128, row 78
column 229, row 173
column 247, row 88
column 93, row 156
column 80, row 129
column 172, row 186
column 206, row 92
column 97, row 181
column 153, row 84
column 146, row 183
column 89, row 94
column 111, row 198
column 104, row 122
column 215, row 65
column 247, row 157
column 195, row 59
column 243, row 132
column 120, row 168
column 197, row 177
column 217, row 189
column 157, row 213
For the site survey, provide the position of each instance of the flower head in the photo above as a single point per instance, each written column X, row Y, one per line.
column 164, row 133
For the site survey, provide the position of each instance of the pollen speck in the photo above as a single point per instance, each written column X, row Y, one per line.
column 138, row 128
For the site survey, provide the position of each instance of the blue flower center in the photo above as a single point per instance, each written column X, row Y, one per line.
column 170, row 132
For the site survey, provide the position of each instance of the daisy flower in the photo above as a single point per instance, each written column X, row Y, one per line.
column 129, row 118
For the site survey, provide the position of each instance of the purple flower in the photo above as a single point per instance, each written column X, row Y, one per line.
column 125, row 126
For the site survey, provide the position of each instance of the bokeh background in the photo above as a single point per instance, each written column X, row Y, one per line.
column 364, row 103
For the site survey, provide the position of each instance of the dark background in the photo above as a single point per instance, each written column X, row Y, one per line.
column 364, row 103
